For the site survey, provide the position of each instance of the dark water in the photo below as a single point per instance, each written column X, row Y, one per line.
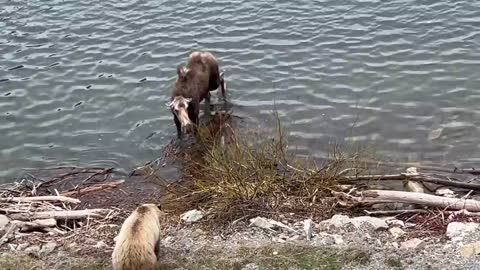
column 85, row 82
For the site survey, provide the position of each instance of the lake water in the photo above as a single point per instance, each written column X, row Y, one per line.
column 85, row 82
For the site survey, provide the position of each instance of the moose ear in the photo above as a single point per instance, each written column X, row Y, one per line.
column 188, row 100
column 182, row 71
column 169, row 104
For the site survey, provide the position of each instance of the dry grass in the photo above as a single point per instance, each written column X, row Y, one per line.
column 233, row 175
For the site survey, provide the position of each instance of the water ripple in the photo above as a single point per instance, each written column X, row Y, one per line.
column 85, row 82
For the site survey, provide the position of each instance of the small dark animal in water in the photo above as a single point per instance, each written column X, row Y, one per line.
column 193, row 84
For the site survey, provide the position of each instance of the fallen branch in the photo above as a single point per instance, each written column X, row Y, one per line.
column 35, row 224
column 395, row 212
column 471, row 171
column 40, row 199
column 413, row 177
column 59, row 215
column 390, row 196
column 96, row 187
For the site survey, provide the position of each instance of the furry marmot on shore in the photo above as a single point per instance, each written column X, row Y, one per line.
column 137, row 244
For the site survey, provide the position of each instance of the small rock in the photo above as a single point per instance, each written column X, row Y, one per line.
column 340, row 221
column 48, row 248
column 168, row 240
column 295, row 237
column 395, row 223
column 395, row 245
column 458, row 229
column 396, row 232
column 101, row 245
column 414, row 243
column 307, row 227
column 62, row 254
column 435, row 134
column 329, row 239
column 338, row 239
column 3, row 223
column 376, row 223
column 90, row 241
column 22, row 246
column 251, row 266
column 275, row 253
column 192, row 216
column 470, row 250
column 33, row 250
column 446, row 192
column 414, row 186
column 278, row 240
column 411, row 170
column 268, row 224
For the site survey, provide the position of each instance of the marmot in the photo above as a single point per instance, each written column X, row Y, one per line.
column 137, row 244
column 193, row 84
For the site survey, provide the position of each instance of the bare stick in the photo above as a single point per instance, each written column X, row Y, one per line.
column 95, row 187
column 395, row 212
column 418, row 177
column 41, row 199
column 59, row 215
column 388, row 196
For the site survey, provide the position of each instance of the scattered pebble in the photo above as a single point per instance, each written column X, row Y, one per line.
column 192, row 216
column 414, row 243
column 307, row 227
column 456, row 230
column 33, row 250
column 396, row 232
column 470, row 250
column 22, row 246
column 48, row 248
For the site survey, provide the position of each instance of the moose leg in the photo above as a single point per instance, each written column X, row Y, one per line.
column 223, row 85
column 207, row 98
column 193, row 114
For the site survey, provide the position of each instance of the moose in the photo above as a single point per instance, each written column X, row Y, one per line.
column 193, row 84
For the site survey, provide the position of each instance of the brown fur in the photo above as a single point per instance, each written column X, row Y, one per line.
column 195, row 81
column 137, row 243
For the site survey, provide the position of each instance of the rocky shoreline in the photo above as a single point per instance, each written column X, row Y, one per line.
column 341, row 242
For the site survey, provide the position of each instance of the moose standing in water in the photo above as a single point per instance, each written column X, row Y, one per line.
column 193, row 84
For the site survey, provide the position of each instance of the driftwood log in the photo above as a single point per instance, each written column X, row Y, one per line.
column 412, row 177
column 59, row 215
column 390, row 196
column 40, row 199
column 35, row 224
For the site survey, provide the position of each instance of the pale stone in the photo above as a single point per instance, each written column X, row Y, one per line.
column 456, row 230
column 470, row 250
column 414, row 243
column 396, row 232
column 192, row 216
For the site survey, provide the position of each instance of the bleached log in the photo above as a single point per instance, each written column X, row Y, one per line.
column 391, row 196
column 41, row 199
column 420, row 178
column 35, row 224
column 59, row 215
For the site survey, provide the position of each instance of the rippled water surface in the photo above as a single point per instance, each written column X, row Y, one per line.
column 85, row 82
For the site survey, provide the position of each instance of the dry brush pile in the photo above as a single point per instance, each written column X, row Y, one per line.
column 234, row 175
